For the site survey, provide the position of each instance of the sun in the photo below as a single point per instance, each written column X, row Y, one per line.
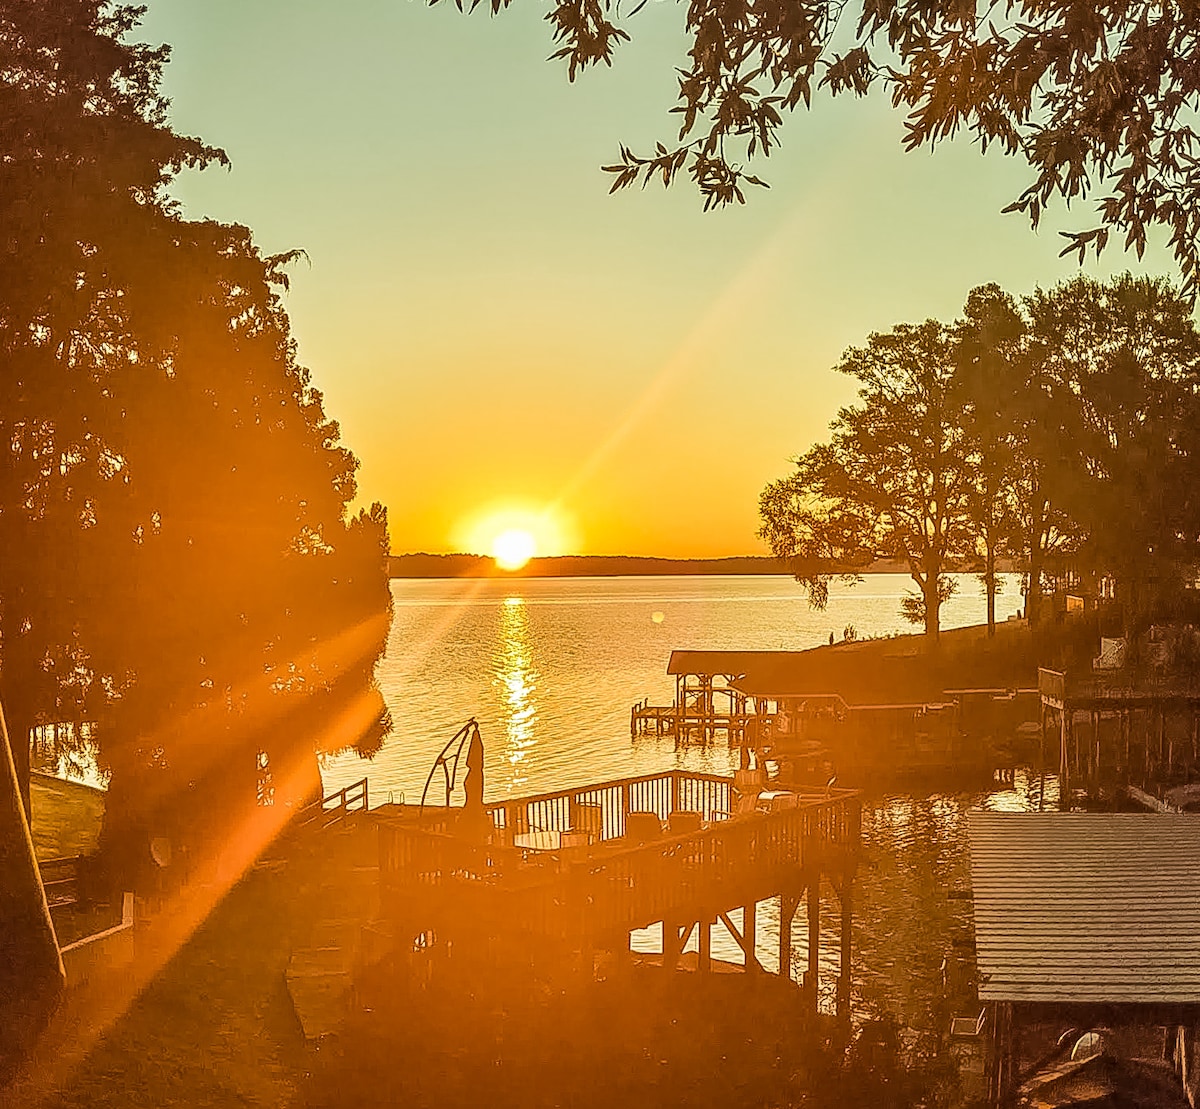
column 512, row 532
column 513, row 547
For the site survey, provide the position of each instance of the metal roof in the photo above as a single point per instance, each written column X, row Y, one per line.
column 731, row 663
column 1086, row 907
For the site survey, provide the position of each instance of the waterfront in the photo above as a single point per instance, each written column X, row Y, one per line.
column 550, row 667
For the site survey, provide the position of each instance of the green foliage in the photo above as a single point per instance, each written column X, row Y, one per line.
column 1099, row 100
column 893, row 478
column 173, row 499
column 1059, row 430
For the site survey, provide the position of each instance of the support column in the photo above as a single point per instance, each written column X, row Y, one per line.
column 704, row 960
column 845, row 897
column 750, row 935
column 787, row 913
column 812, row 975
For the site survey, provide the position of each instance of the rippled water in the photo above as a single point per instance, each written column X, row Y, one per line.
column 550, row 668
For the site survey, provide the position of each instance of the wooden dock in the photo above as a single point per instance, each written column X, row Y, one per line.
column 569, row 875
column 1120, row 729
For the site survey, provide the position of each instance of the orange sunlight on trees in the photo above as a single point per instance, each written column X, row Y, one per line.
column 181, row 561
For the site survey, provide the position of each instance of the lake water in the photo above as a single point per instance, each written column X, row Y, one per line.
column 550, row 668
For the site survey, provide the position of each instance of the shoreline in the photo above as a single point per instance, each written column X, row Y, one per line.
column 450, row 566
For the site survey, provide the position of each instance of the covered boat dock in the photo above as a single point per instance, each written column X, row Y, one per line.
column 1086, row 921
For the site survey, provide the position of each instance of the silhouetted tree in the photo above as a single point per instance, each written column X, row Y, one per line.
column 893, row 479
column 178, row 563
column 989, row 384
column 1098, row 99
column 85, row 154
column 1120, row 363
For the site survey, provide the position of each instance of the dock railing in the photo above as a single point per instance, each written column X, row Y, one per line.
column 614, row 885
column 337, row 806
column 601, row 810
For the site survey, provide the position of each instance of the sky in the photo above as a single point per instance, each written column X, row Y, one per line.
column 504, row 344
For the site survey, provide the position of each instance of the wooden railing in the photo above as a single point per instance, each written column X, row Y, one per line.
column 613, row 885
column 60, row 880
column 602, row 808
column 337, row 806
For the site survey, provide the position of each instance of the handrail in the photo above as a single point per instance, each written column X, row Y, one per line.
column 613, row 885
column 352, row 798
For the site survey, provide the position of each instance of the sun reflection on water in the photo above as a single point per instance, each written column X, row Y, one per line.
column 516, row 678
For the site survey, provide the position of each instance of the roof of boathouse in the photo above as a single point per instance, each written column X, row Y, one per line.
column 896, row 670
column 1086, row 907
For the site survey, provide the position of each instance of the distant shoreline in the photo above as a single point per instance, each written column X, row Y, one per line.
column 604, row 566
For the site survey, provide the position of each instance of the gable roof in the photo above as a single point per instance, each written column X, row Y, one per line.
column 1086, row 907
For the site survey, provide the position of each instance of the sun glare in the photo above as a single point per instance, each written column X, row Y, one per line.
column 512, row 533
column 512, row 548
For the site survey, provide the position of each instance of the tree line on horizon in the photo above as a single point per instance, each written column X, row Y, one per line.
column 180, row 569
column 1059, row 430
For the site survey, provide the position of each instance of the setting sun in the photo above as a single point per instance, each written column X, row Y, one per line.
column 513, row 532
column 512, row 548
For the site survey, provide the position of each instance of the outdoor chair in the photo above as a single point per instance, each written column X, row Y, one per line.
column 642, row 827
column 683, row 822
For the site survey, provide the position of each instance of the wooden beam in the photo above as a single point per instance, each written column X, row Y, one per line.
column 744, row 939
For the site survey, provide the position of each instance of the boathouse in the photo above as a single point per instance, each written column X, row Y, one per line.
column 1118, row 723
column 1087, row 925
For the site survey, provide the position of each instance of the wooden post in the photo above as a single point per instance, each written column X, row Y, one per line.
column 845, row 895
column 704, row 961
column 750, row 934
column 813, row 911
column 1064, row 761
column 787, row 913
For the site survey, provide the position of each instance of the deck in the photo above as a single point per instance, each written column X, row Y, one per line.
column 1121, row 728
column 682, row 848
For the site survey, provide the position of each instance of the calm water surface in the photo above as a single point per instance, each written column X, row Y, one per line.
column 550, row 667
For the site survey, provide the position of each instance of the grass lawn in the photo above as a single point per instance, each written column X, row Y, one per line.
column 66, row 817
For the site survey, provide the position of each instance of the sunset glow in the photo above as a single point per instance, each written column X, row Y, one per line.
column 513, row 548
column 513, row 532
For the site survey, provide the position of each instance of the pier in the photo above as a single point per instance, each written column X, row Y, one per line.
column 1121, row 728
column 768, row 702
column 561, row 879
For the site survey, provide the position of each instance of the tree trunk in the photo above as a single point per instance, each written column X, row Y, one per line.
column 31, row 970
column 1033, row 597
column 929, row 588
column 991, row 590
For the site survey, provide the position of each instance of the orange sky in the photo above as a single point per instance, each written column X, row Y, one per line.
column 505, row 344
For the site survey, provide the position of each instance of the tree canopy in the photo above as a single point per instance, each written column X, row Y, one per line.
column 1057, row 431
column 180, row 566
column 1099, row 100
column 892, row 481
